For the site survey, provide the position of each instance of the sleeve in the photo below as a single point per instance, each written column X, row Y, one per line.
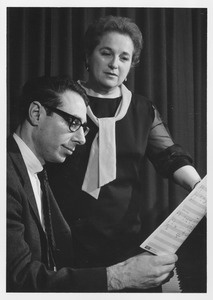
column 25, row 270
column 165, row 155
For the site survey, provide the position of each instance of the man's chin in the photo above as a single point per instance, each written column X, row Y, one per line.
column 57, row 160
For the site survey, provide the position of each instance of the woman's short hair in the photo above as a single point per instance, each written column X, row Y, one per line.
column 110, row 23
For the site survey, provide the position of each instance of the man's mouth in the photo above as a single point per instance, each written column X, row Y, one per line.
column 71, row 150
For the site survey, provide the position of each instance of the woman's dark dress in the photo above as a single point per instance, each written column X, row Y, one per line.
column 110, row 229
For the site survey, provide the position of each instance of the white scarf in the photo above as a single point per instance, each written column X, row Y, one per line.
column 101, row 168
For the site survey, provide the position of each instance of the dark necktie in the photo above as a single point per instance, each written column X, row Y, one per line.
column 47, row 219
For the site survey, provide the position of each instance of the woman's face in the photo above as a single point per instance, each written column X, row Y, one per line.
column 110, row 62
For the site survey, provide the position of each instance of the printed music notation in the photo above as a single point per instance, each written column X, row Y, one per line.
column 170, row 235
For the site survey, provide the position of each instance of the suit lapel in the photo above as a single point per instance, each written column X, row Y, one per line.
column 16, row 157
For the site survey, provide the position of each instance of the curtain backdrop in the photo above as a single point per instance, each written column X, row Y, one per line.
column 171, row 73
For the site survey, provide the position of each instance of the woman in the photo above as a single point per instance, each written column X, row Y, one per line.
column 124, row 127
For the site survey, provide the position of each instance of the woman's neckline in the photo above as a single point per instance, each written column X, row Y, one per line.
column 90, row 92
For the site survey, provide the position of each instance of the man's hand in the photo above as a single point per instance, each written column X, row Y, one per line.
column 143, row 271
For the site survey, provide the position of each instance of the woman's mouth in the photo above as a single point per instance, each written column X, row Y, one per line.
column 111, row 74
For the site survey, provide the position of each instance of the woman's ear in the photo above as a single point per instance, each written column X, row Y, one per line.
column 34, row 113
column 87, row 62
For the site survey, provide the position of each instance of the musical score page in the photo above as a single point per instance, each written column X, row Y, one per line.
column 170, row 235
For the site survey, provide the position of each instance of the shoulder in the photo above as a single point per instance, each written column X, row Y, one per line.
column 141, row 100
column 14, row 175
column 16, row 168
column 142, row 105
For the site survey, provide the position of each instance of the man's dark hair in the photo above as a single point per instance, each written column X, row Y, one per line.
column 47, row 90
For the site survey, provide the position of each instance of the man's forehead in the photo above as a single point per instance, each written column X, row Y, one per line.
column 74, row 104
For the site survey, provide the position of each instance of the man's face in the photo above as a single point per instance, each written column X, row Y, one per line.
column 53, row 140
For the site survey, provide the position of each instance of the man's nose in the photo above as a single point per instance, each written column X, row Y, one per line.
column 79, row 136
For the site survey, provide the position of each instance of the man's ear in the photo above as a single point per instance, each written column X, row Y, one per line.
column 35, row 113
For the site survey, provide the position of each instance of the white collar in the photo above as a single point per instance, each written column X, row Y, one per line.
column 117, row 93
column 101, row 168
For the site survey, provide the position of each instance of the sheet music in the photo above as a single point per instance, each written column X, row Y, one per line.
column 170, row 235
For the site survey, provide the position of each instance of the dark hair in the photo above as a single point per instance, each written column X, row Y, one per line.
column 47, row 90
column 121, row 25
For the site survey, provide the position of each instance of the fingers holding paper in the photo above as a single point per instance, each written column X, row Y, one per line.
column 143, row 271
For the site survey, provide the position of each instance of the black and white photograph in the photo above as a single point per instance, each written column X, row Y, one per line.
column 106, row 144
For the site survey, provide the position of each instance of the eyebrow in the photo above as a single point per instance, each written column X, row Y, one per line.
column 66, row 113
column 108, row 48
column 77, row 117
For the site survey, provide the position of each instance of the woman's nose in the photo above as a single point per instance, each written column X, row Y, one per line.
column 114, row 63
column 79, row 136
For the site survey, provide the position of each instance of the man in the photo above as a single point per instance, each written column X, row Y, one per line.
column 39, row 243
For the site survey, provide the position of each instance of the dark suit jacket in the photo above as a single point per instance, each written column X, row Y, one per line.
column 26, row 241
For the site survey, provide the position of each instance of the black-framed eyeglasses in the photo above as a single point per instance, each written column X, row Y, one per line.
column 74, row 123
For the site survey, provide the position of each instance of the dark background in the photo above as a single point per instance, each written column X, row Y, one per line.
column 172, row 73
